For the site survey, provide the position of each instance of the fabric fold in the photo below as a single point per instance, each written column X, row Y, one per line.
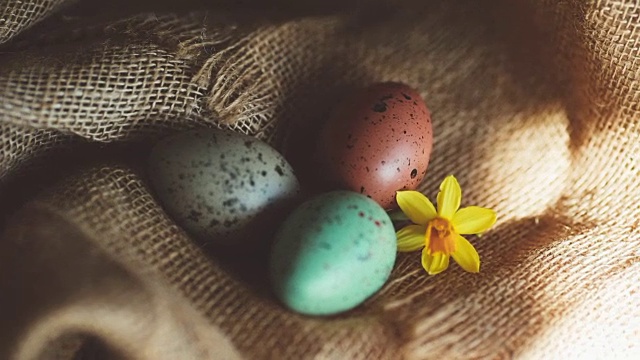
column 68, row 285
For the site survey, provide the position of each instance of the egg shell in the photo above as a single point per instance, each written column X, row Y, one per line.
column 378, row 141
column 222, row 187
column 332, row 253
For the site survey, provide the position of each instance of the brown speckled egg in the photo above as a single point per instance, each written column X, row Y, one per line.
column 377, row 142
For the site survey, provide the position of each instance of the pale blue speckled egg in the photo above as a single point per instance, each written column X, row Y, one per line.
column 222, row 187
column 332, row 253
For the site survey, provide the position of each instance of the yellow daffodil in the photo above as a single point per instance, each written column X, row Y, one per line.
column 439, row 232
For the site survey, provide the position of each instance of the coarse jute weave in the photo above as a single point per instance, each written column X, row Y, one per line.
column 535, row 109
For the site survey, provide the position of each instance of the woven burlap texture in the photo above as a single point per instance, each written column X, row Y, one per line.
column 535, row 110
column 18, row 15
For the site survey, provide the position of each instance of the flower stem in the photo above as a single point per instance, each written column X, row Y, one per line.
column 397, row 215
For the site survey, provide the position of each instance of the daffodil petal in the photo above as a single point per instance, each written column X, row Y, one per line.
column 416, row 206
column 473, row 220
column 466, row 255
column 449, row 197
column 436, row 263
column 411, row 238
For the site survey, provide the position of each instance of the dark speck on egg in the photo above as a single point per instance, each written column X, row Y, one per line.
column 380, row 107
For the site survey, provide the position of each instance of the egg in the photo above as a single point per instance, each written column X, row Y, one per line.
column 332, row 253
column 378, row 141
column 222, row 187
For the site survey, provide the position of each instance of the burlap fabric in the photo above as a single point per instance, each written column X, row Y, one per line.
column 535, row 110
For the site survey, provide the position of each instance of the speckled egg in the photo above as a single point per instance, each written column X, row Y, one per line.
column 221, row 186
column 332, row 253
column 377, row 142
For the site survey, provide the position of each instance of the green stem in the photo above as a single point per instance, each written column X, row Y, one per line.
column 397, row 215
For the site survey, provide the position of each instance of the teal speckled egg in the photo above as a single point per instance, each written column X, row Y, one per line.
column 332, row 253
